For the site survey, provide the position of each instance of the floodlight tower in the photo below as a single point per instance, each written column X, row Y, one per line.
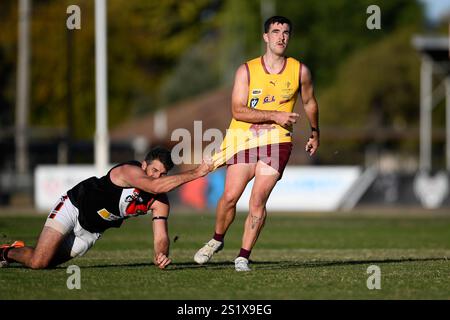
column 23, row 88
column 101, row 89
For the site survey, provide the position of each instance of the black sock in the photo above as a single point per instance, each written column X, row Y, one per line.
column 244, row 253
column 218, row 237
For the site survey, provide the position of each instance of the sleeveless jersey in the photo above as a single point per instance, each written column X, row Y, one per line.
column 103, row 205
column 275, row 92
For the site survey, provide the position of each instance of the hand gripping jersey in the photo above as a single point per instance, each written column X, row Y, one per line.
column 103, row 205
column 275, row 92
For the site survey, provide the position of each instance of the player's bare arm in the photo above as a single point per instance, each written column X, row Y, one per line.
column 133, row 176
column 161, row 241
column 311, row 109
column 241, row 112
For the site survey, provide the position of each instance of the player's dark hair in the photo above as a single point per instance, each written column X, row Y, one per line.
column 277, row 19
column 161, row 154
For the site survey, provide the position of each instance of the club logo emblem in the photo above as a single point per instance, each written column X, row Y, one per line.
column 254, row 102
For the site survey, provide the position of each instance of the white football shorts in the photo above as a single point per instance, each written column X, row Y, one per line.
column 64, row 219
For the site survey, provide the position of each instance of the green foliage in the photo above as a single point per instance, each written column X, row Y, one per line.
column 163, row 51
column 195, row 73
column 7, row 60
column 376, row 88
column 326, row 32
column 233, row 37
column 145, row 39
column 240, row 35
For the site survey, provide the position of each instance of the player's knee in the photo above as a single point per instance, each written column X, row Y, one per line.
column 230, row 198
column 39, row 263
column 257, row 203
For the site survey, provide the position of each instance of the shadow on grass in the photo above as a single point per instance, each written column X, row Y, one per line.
column 261, row 265
column 314, row 264
column 270, row 265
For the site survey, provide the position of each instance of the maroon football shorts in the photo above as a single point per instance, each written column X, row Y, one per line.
column 275, row 155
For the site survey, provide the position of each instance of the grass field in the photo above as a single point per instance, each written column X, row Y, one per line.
column 297, row 257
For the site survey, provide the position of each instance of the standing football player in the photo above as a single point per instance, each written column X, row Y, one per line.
column 264, row 94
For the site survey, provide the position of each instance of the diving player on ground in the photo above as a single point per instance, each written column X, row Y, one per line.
column 96, row 204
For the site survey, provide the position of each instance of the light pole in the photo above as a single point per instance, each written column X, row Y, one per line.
column 101, row 89
column 22, row 89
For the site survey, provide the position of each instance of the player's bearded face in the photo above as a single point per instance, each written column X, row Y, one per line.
column 277, row 38
column 155, row 169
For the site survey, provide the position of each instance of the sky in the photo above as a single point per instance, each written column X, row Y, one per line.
column 434, row 8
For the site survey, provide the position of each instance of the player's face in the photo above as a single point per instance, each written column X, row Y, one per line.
column 277, row 38
column 155, row 169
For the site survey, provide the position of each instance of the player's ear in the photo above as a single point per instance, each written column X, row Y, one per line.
column 265, row 37
column 144, row 165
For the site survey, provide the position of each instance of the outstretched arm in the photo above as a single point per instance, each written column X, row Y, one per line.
column 311, row 109
column 134, row 177
column 242, row 112
column 161, row 241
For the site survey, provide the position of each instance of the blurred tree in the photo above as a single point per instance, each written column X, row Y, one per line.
column 325, row 33
column 196, row 72
column 234, row 35
column 145, row 39
column 6, row 72
column 376, row 91
column 162, row 51
column 240, row 35
column 8, row 55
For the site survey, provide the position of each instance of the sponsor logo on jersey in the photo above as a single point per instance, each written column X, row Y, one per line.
column 134, row 196
column 269, row 99
column 108, row 216
column 254, row 102
column 273, row 82
column 136, row 204
column 256, row 92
